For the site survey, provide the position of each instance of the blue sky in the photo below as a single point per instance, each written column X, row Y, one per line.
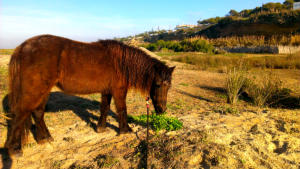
column 87, row 20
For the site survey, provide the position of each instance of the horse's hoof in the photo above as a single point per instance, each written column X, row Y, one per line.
column 15, row 152
column 100, row 129
column 45, row 140
column 125, row 130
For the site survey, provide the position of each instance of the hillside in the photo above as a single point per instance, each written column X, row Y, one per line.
column 269, row 20
column 265, row 24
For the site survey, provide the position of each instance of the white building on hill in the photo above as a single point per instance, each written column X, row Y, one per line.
column 296, row 5
column 184, row 26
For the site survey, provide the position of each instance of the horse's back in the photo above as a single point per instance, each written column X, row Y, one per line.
column 40, row 55
column 86, row 68
column 76, row 67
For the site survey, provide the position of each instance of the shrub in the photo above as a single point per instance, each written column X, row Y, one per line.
column 152, row 47
column 202, row 46
column 265, row 90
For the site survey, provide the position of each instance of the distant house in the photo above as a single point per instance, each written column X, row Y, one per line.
column 184, row 27
column 296, row 5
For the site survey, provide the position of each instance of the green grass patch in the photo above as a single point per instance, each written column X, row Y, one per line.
column 184, row 84
column 157, row 122
column 226, row 110
column 106, row 161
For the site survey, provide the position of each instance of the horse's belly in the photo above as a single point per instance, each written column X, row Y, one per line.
column 85, row 82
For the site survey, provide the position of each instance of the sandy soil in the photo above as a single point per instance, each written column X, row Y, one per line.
column 211, row 138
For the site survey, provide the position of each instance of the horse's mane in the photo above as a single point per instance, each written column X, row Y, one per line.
column 135, row 66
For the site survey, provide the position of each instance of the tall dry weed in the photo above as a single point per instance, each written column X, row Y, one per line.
column 235, row 81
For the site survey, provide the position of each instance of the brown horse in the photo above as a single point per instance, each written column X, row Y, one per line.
column 107, row 67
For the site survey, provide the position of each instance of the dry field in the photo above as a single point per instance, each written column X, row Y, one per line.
column 215, row 134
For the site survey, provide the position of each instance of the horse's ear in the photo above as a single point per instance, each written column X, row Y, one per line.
column 171, row 69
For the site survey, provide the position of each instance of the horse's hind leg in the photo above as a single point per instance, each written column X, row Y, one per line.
column 105, row 107
column 42, row 133
column 22, row 117
column 31, row 97
column 18, row 133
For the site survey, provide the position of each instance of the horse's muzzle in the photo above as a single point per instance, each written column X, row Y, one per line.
column 160, row 109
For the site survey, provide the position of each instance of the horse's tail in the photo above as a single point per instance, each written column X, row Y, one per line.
column 15, row 88
column 14, row 78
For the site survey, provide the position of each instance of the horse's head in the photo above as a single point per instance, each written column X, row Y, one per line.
column 159, row 90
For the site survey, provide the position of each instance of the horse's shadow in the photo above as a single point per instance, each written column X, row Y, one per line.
column 59, row 101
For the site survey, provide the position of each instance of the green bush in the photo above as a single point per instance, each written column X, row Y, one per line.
column 152, row 47
column 199, row 45
column 157, row 122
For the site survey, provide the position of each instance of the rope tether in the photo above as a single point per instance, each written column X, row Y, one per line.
column 147, row 138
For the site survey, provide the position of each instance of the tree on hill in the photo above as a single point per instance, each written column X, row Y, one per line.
column 289, row 4
column 233, row 12
column 210, row 20
column 245, row 12
column 273, row 7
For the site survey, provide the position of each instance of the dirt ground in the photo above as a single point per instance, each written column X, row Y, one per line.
column 215, row 134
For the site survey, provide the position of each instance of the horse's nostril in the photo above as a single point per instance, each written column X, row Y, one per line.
column 163, row 109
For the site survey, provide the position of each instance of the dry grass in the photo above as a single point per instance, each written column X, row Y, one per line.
column 3, row 89
column 6, row 51
column 221, row 61
column 245, row 41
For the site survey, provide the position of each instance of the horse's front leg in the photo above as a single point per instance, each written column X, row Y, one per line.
column 120, row 101
column 104, row 109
